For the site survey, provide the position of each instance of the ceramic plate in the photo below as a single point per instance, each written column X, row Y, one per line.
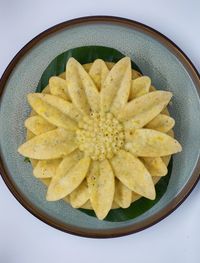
column 157, row 57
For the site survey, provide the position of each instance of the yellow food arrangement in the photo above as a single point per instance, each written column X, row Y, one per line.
column 99, row 136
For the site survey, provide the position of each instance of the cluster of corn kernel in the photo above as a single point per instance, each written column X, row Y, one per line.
column 100, row 136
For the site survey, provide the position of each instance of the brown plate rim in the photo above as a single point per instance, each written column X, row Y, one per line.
column 122, row 231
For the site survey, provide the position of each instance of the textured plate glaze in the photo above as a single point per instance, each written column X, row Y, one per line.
column 158, row 58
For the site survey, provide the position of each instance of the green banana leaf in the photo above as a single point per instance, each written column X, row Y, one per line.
column 88, row 54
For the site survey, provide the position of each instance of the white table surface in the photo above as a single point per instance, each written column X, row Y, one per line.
column 25, row 239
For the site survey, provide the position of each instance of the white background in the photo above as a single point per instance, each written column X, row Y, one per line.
column 23, row 238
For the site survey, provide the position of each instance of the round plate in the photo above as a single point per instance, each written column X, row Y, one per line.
column 158, row 57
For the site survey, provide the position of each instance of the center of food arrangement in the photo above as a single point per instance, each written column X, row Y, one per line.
column 100, row 136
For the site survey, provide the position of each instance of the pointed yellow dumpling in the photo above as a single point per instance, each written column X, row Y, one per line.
column 101, row 187
column 162, row 123
column 139, row 87
column 132, row 173
column 98, row 72
column 80, row 195
column 38, row 125
column 151, row 143
column 123, row 195
column 142, row 110
column 49, row 112
column 81, row 88
column 155, row 166
column 116, row 87
column 67, row 180
column 58, row 87
column 50, row 145
column 46, row 168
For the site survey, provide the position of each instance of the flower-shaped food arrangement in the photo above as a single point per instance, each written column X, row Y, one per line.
column 100, row 136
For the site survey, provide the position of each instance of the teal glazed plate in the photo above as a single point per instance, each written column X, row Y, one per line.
column 157, row 57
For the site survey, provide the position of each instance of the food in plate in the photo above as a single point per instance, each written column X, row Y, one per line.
column 100, row 136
